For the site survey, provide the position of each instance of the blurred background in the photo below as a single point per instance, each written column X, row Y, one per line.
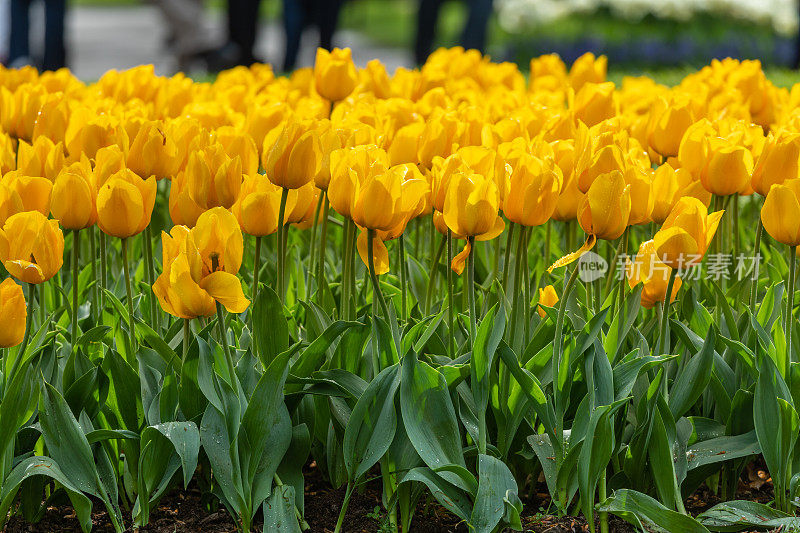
column 663, row 38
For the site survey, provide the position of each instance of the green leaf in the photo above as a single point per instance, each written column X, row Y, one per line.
column 447, row 494
column 641, row 510
column 279, row 514
column 722, row 449
column 738, row 515
column 495, row 485
column 270, row 327
column 693, row 379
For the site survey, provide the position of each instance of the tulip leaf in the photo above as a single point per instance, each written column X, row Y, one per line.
column 279, row 516
column 648, row 514
column 270, row 327
column 495, row 485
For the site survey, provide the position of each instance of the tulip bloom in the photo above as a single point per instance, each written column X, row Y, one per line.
column 781, row 212
column 594, row 103
column 10, row 203
column 213, row 177
column 685, row 235
column 606, row 208
column 182, row 209
column 13, row 314
column 648, row 269
column 534, row 190
column 151, row 152
column 548, row 297
column 292, row 154
column 125, row 204
column 728, row 168
column 200, row 267
column 349, row 168
column 668, row 122
column 257, row 206
column 31, row 247
column 777, row 162
column 588, row 69
column 35, row 192
column 335, row 74
column 74, row 197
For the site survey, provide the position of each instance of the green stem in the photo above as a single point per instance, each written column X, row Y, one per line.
column 662, row 329
column 313, row 241
column 323, row 241
column 42, row 305
column 515, row 307
column 602, row 497
column 25, row 338
column 473, row 315
column 103, row 274
column 756, row 264
column 95, row 292
column 282, row 246
column 376, row 286
column 129, row 291
column 507, row 257
column 434, row 271
column 187, row 332
column 450, row 321
column 223, row 338
column 256, row 268
column 347, row 268
column 343, row 509
column 76, row 246
column 737, row 246
column 790, row 304
column 151, row 276
column 548, row 230
column 403, row 279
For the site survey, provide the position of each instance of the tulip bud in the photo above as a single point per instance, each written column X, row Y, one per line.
column 547, row 297
column 335, row 75
column 781, row 212
column 74, row 196
column 534, row 189
column 151, row 152
column 728, row 169
column 13, row 313
column 594, row 103
column 125, row 204
column 605, row 210
column 31, row 247
column 292, row 154
column 258, row 206
column 668, row 122
column 35, row 192
column 182, row 209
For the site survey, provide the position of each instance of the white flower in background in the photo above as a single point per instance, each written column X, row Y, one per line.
column 519, row 15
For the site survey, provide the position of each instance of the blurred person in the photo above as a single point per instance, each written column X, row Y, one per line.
column 298, row 15
column 473, row 36
column 55, row 52
column 4, row 29
column 187, row 36
column 242, row 29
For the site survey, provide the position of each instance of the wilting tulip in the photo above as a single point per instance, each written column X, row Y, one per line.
column 292, row 154
column 335, row 75
column 125, row 203
column 685, row 235
column 35, row 192
column 200, row 267
column 213, row 177
column 13, row 313
column 31, row 247
column 548, row 297
column 74, row 197
column 534, row 191
column 605, row 210
column 781, row 212
column 778, row 161
column 647, row 268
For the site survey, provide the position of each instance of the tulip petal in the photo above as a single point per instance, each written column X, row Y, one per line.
column 380, row 255
column 461, row 259
column 227, row 290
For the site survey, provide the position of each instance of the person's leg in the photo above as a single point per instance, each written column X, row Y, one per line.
column 427, row 16
column 327, row 21
column 55, row 53
column 19, row 46
column 294, row 20
column 477, row 22
column 185, row 22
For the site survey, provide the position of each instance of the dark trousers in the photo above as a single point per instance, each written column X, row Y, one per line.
column 54, row 49
column 299, row 14
column 242, row 27
column 474, row 35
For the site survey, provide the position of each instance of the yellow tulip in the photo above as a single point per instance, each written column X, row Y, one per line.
column 200, row 267
column 108, row 161
column 640, row 181
column 534, row 190
column 13, row 313
column 728, row 169
column 292, row 154
column 241, row 144
column 781, row 212
column 349, row 168
column 548, row 297
column 300, row 204
column 647, row 268
column 74, row 197
column 35, row 192
column 686, row 234
column 588, row 69
column 31, row 247
column 405, row 144
column 43, row 158
column 335, row 75
column 182, row 209
column 258, row 205
column 607, row 159
column 594, row 103
column 777, row 162
column 385, row 199
column 10, row 202
column 668, row 122
column 87, row 132
column 125, row 204
column 605, row 210
column 438, row 137
column 151, row 152
column 214, row 178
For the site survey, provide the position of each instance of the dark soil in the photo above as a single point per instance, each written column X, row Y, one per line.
column 185, row 511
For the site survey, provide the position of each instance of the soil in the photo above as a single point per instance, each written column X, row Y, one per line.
column 185, row 511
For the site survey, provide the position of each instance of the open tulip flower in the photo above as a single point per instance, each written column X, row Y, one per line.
column 31, row 247
column 200, row 267
column 646, row 268
column 685, row 235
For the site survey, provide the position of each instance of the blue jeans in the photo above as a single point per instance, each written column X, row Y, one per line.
column 54, row 49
